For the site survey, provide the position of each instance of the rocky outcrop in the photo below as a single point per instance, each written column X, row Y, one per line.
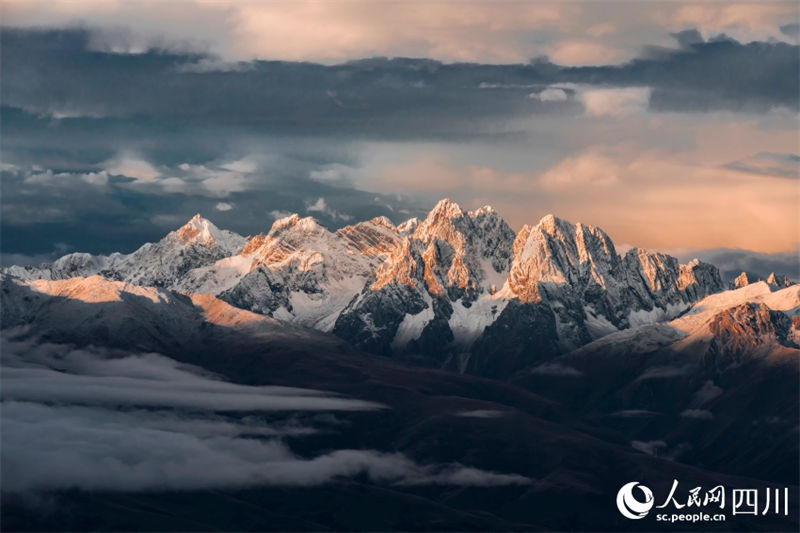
column 452, row 258
column 576, row 269
column 748, row 330
column 741, row 281
column 778, row 281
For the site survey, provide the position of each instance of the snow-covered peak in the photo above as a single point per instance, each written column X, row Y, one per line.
column 485, row 210
column 308, row 255
column 553, row 225
column 698, row 279
column 577, row 266
column 446, row 207
column 201, row 231
column 786, row 300
column 382, row 221
column 559, row 252
column 448, row 222
column 408, row 227
column 439, row 224
column 289, row 220
column 461, row 254
column 295, row 223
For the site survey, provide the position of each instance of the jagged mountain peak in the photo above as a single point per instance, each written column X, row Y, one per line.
column 583, row 239
column 559, row 246
column 294, row 222
column 692, row 263
column 446, row 207
column 778, row 281
column 741, row 281
column 451, row 275
column 482, row 211
column 197, row 229
column 408, row 227
column 439, row 224
column 447, row 221
column 382, row 221
column 550, row 223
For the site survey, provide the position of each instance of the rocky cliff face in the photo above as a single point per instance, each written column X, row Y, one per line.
column 458, row 289
column 593, row 291
column 748, row 330
column 433, row 290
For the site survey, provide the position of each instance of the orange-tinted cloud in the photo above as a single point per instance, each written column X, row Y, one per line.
column 572, row 33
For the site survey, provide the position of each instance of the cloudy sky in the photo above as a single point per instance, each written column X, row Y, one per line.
column 671, row 125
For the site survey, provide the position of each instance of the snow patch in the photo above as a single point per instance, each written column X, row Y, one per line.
column 467, row 324
column 597, row 325
column 217, row 277
column 412, row 325
column 321, row 310
column 657, row 314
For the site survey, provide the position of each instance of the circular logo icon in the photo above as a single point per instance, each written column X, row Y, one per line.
column 629, row 505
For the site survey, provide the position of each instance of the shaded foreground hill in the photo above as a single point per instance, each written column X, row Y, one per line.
column 568, row 467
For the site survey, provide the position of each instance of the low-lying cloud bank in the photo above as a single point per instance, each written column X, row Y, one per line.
column 61, row 447
column 56, row 373
column 105, row 420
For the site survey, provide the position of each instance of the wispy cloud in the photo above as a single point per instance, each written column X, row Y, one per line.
column 769, row 164
column 307, row 30
column 85, row 377
column 320, row 205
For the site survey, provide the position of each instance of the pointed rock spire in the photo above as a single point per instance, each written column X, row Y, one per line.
column 198, row 230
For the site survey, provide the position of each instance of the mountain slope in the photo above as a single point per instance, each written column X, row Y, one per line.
column 429, row 415
column 715, row 387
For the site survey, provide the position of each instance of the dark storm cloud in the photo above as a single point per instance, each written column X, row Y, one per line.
column 55, row 72
column 792, row 30
column 717, row 74
column 70, row 111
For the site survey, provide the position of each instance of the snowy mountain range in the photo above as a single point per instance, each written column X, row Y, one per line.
column 547, row 364
column 460, row 289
